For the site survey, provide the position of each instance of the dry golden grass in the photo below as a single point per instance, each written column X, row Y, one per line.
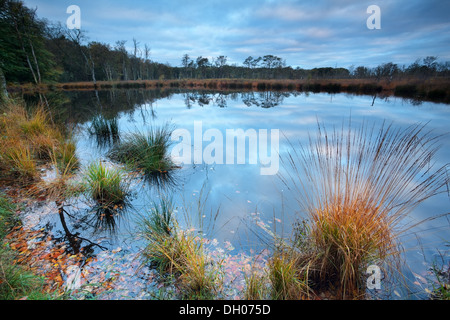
column 28, row 139
column 179, row 254
column 62, row 186
column 18, row 159
column 356, row 186
column 255, row 286
column 288, row 276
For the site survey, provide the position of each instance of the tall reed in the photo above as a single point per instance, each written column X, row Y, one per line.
column 356, row 186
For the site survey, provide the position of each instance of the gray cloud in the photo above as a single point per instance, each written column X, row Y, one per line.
column 305, row 33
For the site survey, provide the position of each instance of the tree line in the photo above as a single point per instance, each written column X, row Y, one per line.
column 36, row 50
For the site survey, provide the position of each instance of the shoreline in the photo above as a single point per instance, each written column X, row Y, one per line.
column 432, row 89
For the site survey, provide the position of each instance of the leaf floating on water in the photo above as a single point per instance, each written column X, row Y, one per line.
column 420, row 278
column 397, row 294
column 117, row 250
column 228, row 246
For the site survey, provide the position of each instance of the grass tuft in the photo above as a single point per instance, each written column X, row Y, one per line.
column 287, row 282
column 146, row 152
column 255, row 286
column 356, row 186
column 179, row 254
column 16, row 282
column 29, row 139
column 107, row 186
column 21, row 161
column 66, row 158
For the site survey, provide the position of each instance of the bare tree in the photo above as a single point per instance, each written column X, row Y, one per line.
column 136, row 65
column 120, row 46
column 147, row 59
column 77, row 37
column 185, row 60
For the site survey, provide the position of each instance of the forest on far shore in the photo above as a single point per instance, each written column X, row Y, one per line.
column 37, row 51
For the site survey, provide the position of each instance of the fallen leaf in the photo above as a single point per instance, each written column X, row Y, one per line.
column 420, row 278
column 117, row 250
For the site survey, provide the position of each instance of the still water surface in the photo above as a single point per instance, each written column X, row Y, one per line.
column 237, row 204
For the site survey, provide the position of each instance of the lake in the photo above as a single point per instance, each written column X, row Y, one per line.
column 229, row 200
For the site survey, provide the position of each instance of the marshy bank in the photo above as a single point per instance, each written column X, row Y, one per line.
column 129, row 230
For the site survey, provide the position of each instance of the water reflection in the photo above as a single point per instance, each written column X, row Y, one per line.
column 81, row 106
column 162, row 181
column 75, row 239
column 251, row 205
column 86, row 106
column 88, row 226
column 105, row 131
column 104, row 218
column 263, row 99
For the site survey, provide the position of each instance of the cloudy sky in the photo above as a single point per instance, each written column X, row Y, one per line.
column 307, row 34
